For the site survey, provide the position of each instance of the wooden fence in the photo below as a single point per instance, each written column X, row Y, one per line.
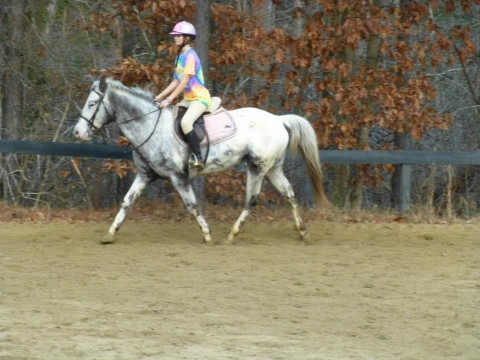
column 403, row 158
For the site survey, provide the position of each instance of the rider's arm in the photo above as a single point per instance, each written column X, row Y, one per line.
column 179, row 89
column 168, row 90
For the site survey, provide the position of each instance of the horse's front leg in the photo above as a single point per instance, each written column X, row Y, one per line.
column 133, row 193
column 181, row 183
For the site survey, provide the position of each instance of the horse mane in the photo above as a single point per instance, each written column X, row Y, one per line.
column 133, row 91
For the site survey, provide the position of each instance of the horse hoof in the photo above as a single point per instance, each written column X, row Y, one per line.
column 107, row 239
column 207, row 238
column 305, row 238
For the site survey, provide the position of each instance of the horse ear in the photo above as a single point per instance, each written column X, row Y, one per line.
column 103, row 83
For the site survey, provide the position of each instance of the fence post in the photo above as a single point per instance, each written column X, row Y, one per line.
column 405, row 185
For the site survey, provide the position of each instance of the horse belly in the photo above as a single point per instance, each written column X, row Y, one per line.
column 224, row 156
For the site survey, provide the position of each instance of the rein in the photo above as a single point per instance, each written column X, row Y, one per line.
column 112, row 119
column 153, row 131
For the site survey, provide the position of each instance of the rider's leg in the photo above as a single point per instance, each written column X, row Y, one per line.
column 195, row 110
column 195, row 159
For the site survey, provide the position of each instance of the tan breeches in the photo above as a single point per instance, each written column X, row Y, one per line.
column 194, row 110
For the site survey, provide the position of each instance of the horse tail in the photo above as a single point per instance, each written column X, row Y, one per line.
column 302, row 137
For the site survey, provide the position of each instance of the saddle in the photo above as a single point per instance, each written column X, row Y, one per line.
column 198, row 125
column 214, row 126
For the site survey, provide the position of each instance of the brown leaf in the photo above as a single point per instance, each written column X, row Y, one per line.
column 122, row 141
column 449, row 6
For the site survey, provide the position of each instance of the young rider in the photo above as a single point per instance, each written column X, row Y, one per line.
column 187, row 78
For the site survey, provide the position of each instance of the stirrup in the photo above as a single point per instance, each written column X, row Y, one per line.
column 195, row 162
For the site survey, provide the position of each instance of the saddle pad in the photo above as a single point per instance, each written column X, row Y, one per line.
column 220, row 126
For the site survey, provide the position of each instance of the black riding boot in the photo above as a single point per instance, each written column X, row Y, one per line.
column 195, row 160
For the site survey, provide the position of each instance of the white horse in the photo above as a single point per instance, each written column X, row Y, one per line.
column 261, row 141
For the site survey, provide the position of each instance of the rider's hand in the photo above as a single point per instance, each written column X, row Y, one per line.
column 157, row 98
column 165, row 103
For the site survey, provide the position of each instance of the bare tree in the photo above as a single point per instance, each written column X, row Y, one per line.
column 12, row 84
column 202, row 25
column 12, row 93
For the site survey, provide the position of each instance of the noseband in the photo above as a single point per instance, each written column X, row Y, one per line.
column 92, row 118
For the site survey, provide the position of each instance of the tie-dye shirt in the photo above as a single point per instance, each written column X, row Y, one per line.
column 189, row 64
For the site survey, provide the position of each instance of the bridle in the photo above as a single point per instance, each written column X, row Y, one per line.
column 103, row 87
column 91, row 122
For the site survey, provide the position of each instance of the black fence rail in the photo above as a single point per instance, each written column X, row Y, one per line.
column 64, row 149
column 400, row 157
column 403, row 158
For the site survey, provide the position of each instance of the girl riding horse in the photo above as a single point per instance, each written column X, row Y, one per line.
column 187, row 78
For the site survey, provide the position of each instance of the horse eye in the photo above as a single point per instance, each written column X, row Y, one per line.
column 92, row 104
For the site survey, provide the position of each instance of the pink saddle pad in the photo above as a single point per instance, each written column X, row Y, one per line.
column 220, row 127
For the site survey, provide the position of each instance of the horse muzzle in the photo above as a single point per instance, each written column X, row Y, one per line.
column 81, row 131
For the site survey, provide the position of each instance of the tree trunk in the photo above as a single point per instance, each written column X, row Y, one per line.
column 373, row 50
column 124, row 44
column 342, row 177
column 13, row 91
column 242, row 5
column 3, row 66
column 400, row 142
column 295, row 164
column 51, row 10
column 263, row 11
column 3, row 62
column 340, row 185
column 202, row 25
column 125, row 47
column 12, row 84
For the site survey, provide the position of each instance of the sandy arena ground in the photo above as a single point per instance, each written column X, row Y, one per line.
column 360, row 291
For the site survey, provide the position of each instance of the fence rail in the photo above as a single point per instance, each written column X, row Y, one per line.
column 400, row 157
column 64, row 149
column 403, row 158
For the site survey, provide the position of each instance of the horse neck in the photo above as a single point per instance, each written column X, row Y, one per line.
column 137, row 118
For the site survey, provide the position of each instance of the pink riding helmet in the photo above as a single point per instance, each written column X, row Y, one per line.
column 184, row 28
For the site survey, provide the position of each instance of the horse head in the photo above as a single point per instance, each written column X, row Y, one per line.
column 94, row 114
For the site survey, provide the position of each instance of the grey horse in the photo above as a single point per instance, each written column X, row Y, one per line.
column 261, row 141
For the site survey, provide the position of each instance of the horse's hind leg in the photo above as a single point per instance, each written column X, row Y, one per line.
column 181, row 183
column 281, row 183
column 254, row 184
column 133, row 193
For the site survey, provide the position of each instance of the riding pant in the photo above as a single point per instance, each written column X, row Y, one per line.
column 194, row 110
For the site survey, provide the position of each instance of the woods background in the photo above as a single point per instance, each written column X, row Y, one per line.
column 368, row 74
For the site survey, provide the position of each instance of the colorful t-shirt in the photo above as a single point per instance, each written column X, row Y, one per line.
column 189, row 64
